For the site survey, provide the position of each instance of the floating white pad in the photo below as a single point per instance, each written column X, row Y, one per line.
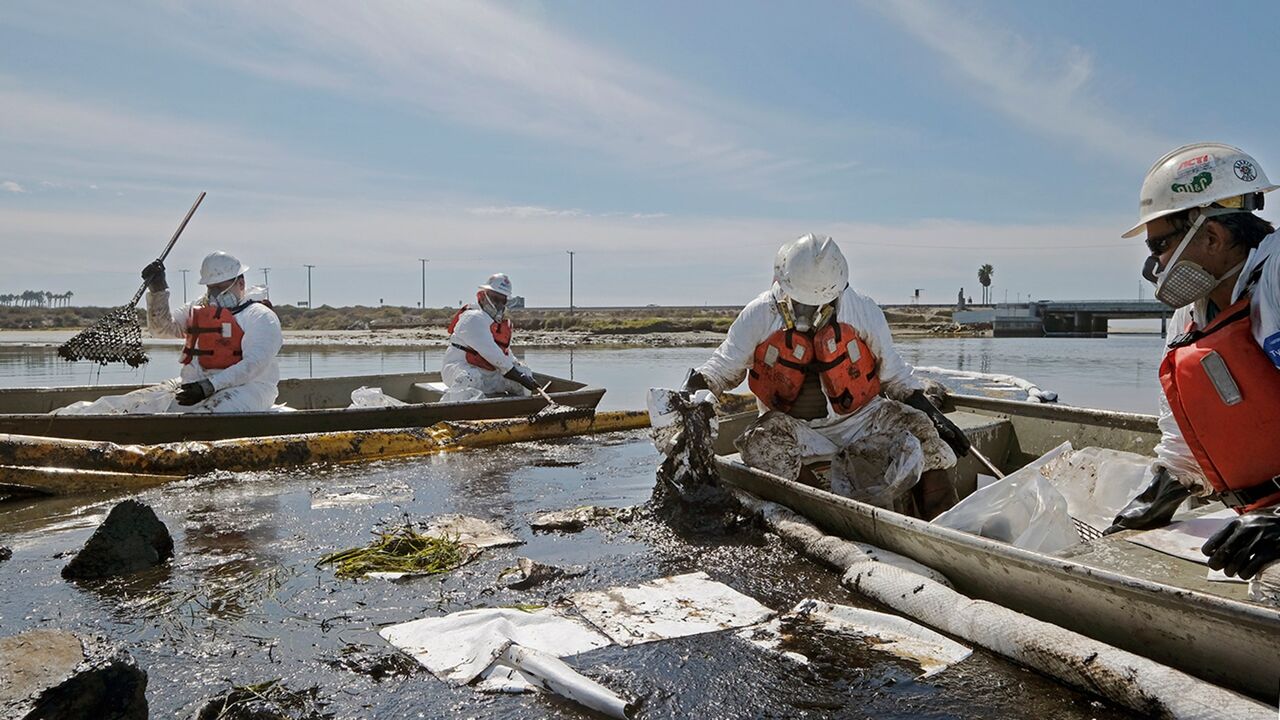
column 898, row 636
column 668, row 608
column 458, row 648
column 471, row 531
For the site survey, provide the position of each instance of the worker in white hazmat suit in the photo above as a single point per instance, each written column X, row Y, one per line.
column 231, row 335
column 821, row 362
column 478, row 362
column 1218, row 263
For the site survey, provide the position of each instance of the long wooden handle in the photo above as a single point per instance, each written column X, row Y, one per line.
column 172, row 241
column 545, row 396
column 983, row 459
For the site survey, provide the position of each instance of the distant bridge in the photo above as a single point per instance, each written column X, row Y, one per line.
column 1064, row 318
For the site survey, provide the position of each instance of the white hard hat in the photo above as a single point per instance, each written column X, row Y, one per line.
column 1197, row 176
column 499, row 283
column 220, row 267
column 811, row 270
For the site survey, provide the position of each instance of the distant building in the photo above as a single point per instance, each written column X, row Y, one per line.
column 516, row 301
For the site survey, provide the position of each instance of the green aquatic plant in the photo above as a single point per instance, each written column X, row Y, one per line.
column 400, row 550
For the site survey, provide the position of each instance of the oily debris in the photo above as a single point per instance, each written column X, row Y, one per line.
column 270, row 700
column 401, row 550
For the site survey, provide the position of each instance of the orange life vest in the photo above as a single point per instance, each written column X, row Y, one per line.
column 848, row 370
column 501, row 335
column 214, row 336
column 1223, row 391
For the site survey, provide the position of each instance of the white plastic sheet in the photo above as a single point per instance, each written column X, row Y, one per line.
column 1184, row 538
column 153, row 399
column 458, row 648
column 1097, row 482
column 892, row 634
column 668, row 608
column 373, row 397
column 508, row 650
column 1024, row 509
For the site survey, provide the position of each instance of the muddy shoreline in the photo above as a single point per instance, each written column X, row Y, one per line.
column 437, row 338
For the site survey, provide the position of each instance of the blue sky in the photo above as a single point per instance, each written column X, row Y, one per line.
column 673, row 146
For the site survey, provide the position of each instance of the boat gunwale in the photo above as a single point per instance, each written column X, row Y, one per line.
column 1112, row 419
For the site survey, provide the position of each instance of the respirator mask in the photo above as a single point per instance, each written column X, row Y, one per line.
column 805, row 318
column 494, row 305
column 1182, row 282
column 228, row 298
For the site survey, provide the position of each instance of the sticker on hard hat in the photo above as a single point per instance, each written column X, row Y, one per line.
column 1191, row 166
column 1271, row 346
column 1199, row 183
column 1245, row 171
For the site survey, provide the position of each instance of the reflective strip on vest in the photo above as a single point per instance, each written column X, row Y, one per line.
column 1225, row 395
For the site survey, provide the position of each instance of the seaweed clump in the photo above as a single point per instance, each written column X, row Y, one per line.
column 401, row 550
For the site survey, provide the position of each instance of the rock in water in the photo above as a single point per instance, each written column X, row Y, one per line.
column 47, row 674
column 132, row 538
column 5, row 553
column 576, row 519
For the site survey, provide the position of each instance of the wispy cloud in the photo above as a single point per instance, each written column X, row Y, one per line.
column 1045, row 91
column 487, row 65
column 77, row 142
column 11, row 186
column 535, row 212
column 524, row 211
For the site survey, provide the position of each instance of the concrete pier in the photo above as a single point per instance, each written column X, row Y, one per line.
column 1057, row 318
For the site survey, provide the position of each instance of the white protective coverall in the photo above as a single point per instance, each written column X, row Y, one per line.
column 1172, row 452
column 247, row 386
column 822, row 437
column 467, row 382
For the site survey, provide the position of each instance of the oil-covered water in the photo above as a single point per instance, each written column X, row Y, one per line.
column 242, row 601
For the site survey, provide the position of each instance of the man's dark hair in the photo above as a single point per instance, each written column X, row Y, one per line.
column 1247, row 230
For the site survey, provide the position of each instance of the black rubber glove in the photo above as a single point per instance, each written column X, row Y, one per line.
column 947, row 430
column 192, row 393
column 1246, row 544
column 153, row 274
column 1153, row 507
column 695, row 381
column 523, row 375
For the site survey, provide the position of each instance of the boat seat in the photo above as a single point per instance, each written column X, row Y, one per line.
column 991, row 435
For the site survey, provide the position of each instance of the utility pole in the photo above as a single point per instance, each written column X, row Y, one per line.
column 184, row 285
column 266, row 282
column 308, row 267
column 570, row 281
column 424, row 262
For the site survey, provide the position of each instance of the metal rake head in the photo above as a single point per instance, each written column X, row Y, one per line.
column 115, row 337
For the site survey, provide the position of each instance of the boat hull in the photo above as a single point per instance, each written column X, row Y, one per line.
column 25, row 411
column 1227, row 641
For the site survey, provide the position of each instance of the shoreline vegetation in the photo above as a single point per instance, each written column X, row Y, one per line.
column 405, row 326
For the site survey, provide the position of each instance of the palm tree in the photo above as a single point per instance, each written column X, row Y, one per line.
column 984, row 276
